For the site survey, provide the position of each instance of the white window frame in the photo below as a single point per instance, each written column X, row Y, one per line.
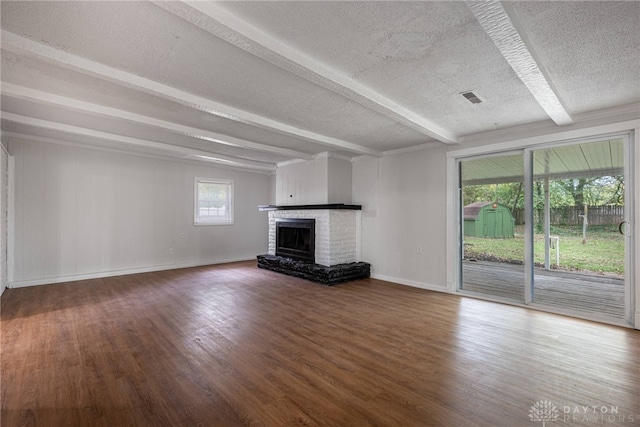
column 228, row 220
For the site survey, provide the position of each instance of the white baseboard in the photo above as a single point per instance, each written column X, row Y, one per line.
column 410, row 283
column 102, row 274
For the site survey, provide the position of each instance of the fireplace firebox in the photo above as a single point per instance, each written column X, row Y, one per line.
column 295, row 238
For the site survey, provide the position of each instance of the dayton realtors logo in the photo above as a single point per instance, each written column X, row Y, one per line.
column 544, row 411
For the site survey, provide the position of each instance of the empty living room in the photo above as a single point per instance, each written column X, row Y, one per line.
column 345, row 213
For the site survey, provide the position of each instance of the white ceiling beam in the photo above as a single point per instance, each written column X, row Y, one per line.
column 216, row 20
column 127, row 152
column 21, row 92
column 24, row 46
column 107, row 136
column 496, row 23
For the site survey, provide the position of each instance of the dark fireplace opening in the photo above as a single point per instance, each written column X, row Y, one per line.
column 296, row 238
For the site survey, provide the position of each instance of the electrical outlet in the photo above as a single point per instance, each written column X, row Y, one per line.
column 419, row 249
column 170, row 251
column 182, row 235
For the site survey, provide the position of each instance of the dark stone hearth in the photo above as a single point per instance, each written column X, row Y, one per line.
column 315, row 272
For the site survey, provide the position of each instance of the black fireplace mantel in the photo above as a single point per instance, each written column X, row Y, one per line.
column 309, row 207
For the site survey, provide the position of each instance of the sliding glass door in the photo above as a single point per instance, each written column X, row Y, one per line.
column 550, row 227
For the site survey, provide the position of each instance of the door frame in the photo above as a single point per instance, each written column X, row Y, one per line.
column 630, row 131
column 629, row 208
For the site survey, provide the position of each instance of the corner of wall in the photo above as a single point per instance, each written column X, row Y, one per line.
column 412, row 283
column 339, row 180
column 325, row 179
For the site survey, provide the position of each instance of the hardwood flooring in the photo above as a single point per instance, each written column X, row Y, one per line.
column 235, row 345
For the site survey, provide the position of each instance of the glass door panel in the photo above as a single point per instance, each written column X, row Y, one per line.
column 492, row 232
column 579, row 252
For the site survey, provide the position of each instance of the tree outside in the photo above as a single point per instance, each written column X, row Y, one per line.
column 602, row 198
column 602, row 191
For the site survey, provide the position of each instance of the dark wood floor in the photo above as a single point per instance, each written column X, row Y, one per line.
column 234, row 345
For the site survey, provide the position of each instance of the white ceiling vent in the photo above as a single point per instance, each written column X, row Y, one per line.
column 471, row 97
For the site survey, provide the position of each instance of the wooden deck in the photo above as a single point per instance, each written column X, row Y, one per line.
column 576, row 291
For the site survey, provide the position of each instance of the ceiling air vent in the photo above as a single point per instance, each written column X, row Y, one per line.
column 471, row 97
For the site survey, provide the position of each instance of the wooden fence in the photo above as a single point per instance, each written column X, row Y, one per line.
column 569, row 215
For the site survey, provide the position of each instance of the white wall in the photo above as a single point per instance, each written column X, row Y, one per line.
column 296, row 184
column 272, row 189
column 85, row 213
column 339, row 180
column 404, row 211
column 325, row 179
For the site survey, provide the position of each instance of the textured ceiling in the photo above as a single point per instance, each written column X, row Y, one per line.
column 258, row 83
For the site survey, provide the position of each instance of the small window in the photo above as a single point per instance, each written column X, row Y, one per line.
column 213, row 201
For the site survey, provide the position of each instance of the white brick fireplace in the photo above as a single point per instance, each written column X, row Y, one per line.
column 337, row 233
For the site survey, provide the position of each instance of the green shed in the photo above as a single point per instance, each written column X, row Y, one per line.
column 488, row 219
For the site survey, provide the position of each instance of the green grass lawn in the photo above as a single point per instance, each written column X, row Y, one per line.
column 602, row 253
